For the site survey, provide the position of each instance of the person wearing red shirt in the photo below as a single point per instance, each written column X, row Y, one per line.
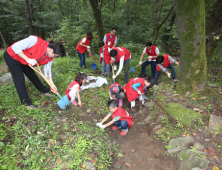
column 104, row 58
column 152, row 52
column 30, row 51
column 110, row 38
column 122, row 56
column 117, row 92
column 121, row 119
column 82, row 47
column 163, row 62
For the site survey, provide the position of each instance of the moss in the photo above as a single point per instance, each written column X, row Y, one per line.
column 180, row 113
column 184, row 156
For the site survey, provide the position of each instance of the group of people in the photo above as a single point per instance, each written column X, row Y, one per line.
column 34, row 51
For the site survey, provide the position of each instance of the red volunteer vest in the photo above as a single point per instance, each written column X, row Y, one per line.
column 37, row 52
column 116, row 84
column 111, row 40
column 130, row 92
column 121, row 51
column 152, row 53
column 80, row 48
column 124, row 116
column 106, row 54
column 70, row 86
column 165, row 64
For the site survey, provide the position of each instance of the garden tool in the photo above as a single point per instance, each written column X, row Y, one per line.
column 64, row 101
column 93, row 65
column 132, row 70
column 113, row 73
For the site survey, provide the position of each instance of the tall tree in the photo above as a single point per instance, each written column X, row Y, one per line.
column 213, row 29
column 29, row 14
column 190, row 15
column 97, row 6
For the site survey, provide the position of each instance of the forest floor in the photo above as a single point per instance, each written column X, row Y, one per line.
column 66, row 139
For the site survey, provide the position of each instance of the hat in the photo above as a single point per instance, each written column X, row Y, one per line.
column 115, row 89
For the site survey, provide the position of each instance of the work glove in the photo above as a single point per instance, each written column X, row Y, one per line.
column 88, row 48
column 102, row 126
column 169, row 75
column 99, row 124
column 54, row 89
column 114, row 76
column 149, row 58
column 140, row 62
column 90, row 54
column 32, row 62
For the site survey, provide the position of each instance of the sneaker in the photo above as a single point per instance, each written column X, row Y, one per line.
column 115, row 128
column 108, row 76
column 102, row 75
column 47, row 94
column 133, row 109
column 30, row 107
column 74, row 103
column 145, row 97
column 120, row 103
column 175, row 80
column 124, row 132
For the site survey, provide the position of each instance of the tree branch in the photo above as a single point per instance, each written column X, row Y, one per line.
column 171, row 9
column 154, row 1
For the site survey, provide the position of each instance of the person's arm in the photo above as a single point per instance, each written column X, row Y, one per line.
column 79, row 100
column 104, row 39
column 110, row 95
column 115, row 42
column 142, row 55
column 173, row 60
column 120, row 65
column 82, row 42
column 162, row 68
column 110, row 123
column 105, row 118
column 135, row 86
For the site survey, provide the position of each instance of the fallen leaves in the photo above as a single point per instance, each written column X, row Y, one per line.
column 128, row 165
column 194, row 134
column 215, row 168
column 48, row 159
column 58, row 160
column 80, row 166
column 185, row 135
column 54, row 153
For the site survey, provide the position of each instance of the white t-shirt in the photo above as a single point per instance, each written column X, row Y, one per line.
column 73, row 92
column 156, row 51
column 84, row 40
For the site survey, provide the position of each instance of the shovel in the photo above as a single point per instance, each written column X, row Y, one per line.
column 113, row 73
column 132, row 70
column 93, row 65
column 64, row 101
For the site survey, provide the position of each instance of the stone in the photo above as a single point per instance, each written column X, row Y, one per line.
column 6, row 78
column 4, row 68
column 179, row 144
column 169, row 93
column 198, row 146
column 89, row 166
column 157, row 127
column 212, row 85
column 149, row 104
column 148, row 119
column 194, row 161
column 214, row 122
column 88, row 111
column 187, row 153
column 196, row 168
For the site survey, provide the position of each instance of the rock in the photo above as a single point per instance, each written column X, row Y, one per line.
column 157, row 127
column 198, row 146
column 149, row 104
column 4, row 68
column 179, row 144
column 187, row 153
column 214, row 122
column 149, row 118
column 167, row 100
column 169, row 93
column 187, row 94
column 89, row 166
column 196, row 168
column 194, row 161
column 88, row 111
column 212, row 85
column 6, row 78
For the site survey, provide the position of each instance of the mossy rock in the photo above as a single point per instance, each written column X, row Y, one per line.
column 183, row 115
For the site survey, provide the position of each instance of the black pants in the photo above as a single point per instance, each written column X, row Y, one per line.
column 17, row 69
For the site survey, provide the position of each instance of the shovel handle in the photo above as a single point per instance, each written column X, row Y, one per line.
column 113, row 72
column 140, row 64
column 42, row 75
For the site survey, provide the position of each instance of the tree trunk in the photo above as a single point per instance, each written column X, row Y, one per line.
column 29, row 18
column 60, row 6
column 168, row 30
column 214, row 25
column 3, row 40
column 190, row 17
column 98, row 18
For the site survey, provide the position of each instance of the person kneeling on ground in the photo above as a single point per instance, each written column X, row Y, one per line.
column 116, row 91
column 73, row 90
column 120, row 118
column 136, row 87
column 104, row 58
column 163, row 62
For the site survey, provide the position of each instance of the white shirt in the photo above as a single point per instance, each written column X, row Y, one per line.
column 73, row 91
column 156, row 51
column 121, row 62
column 84, row 40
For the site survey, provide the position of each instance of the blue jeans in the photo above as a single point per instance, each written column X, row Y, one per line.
column 171, row 67
column 153, row 67
column 82, row 59
column 105, row 67
column 123, row 124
